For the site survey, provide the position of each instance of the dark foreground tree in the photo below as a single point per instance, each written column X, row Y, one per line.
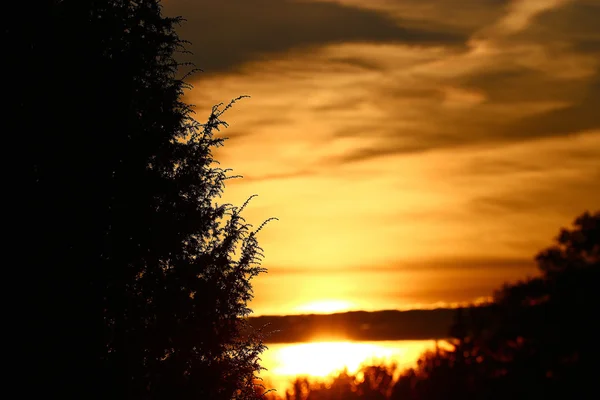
column 539, row 336
column 128, row 279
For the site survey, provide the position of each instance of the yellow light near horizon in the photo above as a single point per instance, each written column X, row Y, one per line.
column 321, row 360
column 325, row 306
column 325, row 358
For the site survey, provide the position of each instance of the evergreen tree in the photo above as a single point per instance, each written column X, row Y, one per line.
column 127, row 273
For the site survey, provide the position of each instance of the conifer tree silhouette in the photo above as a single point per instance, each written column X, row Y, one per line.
column 132, row 281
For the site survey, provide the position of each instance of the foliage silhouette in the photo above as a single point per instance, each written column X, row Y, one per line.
column 538, row 337
column 127, row 275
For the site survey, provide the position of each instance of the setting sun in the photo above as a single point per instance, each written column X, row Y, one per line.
column 325, row 306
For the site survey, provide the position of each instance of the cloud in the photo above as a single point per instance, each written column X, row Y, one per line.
column 412, row 285
column 276, row 176
column 521, row 13
column 527, row 200
column 471, row 16
column 581, row 115
column 228, row 33
column 522, row 78
column 440, row 265
column 377, row 150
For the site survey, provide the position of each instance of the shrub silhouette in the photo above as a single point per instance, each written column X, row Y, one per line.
column 126, row 279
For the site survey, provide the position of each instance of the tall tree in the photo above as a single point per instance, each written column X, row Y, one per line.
column 128, row 264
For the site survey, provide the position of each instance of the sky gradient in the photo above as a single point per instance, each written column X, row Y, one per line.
column 417, row 153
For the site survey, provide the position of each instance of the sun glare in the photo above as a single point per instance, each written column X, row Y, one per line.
column 325, row 306
column 323, row 359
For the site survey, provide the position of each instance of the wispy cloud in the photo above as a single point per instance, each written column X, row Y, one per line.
column 228, row 33
column 386, row 133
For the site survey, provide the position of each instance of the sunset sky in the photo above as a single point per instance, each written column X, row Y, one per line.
column 416, row 152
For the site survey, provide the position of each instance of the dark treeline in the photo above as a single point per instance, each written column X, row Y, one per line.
column 121, row 279
column 358, row 325
column 537, row 339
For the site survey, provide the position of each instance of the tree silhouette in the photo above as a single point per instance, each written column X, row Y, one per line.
column 126, row 280
column 538, row 337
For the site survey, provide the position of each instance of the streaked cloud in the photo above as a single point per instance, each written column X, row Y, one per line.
column 225, row 34
column 388, row 136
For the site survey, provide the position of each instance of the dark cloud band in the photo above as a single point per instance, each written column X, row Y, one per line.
column 228, row 33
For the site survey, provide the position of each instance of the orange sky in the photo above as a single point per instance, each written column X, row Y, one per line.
column 417, row 153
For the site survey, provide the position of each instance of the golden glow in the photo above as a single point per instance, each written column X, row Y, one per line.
column 381, row 159
column 325, row 306
column 322, row 359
